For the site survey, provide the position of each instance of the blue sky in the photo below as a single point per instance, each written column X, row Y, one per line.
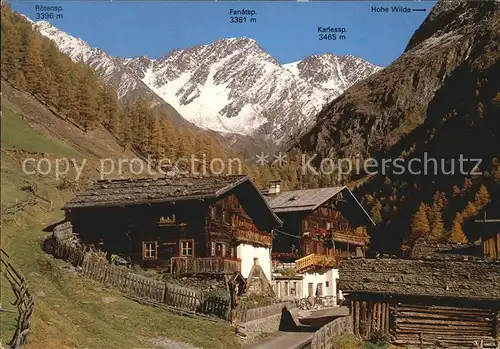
column 285, row 29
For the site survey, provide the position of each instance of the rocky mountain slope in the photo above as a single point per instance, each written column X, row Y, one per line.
column 234, row 86
column 231, row 86
column 376, row 113
column 441, row 101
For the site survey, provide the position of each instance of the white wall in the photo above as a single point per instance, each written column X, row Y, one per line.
column 316, row 278
column 247, row 253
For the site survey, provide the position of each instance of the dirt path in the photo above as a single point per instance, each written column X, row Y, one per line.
column 284, row 340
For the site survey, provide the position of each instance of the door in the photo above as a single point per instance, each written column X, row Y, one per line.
column 319, row 290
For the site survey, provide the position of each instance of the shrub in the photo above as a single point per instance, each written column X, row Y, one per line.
column 346, row 341
column 379, row 339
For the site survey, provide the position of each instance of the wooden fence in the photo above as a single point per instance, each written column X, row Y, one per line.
column 24, row 301
column 210, row 265
column 323, row 338
column 65, row 246
column 370, row 316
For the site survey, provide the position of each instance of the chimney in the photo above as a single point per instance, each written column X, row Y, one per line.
column 274, row 186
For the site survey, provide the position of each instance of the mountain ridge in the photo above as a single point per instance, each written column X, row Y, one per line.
column 231, row 86
column 440, row 101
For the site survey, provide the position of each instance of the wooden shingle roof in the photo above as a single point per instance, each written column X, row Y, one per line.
column 151, row 190
column 423, row 277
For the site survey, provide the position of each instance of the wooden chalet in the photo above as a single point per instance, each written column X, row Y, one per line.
column 187, row 224
column 431, row 303
column 324, row 225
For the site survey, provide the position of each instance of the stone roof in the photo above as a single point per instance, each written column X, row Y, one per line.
column 302, row 200
column 149, row 190
column 429, row 277
column 423, row 250
column 311, row 199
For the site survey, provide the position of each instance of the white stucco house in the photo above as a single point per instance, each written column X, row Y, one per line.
column 320, row 227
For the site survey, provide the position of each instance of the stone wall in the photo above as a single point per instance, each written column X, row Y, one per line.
column 322, row 338
column 267, row 320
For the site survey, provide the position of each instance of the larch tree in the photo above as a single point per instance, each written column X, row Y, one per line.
column 11, row 49
column 109, row 105
column 420, row 226
column 156, row 149
column 376, row 212
column 470, row 210
column 482, row 198
column 34, row 65
column 169, row 138
column 86, row 100
column 457, row 234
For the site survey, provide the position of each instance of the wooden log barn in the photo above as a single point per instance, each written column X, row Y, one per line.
column 488, row 230
column 320, row 227
column 425, row 303
column 190, row 225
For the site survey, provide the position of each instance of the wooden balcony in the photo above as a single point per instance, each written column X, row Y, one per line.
column 353, row 239
column 313, row 261
column 208, row 265
column 253, row 237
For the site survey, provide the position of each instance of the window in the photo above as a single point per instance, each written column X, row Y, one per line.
column 212, row 212
column 220, row 249
column 167, row 220
column 308, row 247
column 310, row 288
column 327, row 284
column 225, row 217
column 149, row 250
column 187, row 248
column 286, row 289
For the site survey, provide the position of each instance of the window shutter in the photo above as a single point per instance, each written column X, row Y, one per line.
column 213, row 249
column 223, row 250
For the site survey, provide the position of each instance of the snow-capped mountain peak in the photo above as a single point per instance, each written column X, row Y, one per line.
column 231, row 85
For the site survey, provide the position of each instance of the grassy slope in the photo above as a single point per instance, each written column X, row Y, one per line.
column 70, row 311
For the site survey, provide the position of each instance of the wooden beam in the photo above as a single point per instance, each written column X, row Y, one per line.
column 364, row 319
column 388, row 317
column 356, row 316
column 382, row 314
column 369, row 320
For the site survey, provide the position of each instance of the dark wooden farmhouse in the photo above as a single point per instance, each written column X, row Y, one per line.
column 186, row 224
column 431, row 303
column 324, row 225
